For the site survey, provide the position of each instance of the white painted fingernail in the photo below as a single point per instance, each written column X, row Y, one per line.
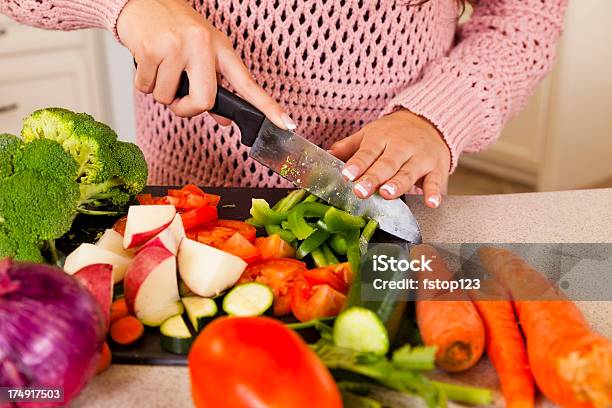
column 350, row 172
column 389, row 189
column 434, row 200
column 362, row 189
column 289, row 123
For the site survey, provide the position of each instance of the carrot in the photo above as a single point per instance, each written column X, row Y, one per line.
column 505, row 347
column 571, row 364
column 451, row 322
column 126, row 330
column 105, row 359
column 118, row 310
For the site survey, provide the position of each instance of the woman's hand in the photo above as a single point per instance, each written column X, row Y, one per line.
column 167, row 37
column 394, row 153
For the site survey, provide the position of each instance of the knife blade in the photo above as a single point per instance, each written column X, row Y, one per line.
column 306, row 165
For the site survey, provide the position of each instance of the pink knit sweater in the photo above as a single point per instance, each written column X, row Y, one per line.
column 336, row 65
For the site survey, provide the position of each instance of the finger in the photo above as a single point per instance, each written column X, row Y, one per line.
column 405, row 178
column 369, row 150
column 167, row 80
column 202, row 83
column 385, row 167
column 432, row 189
column 345, row 148
column 146, row 72
column 238, row 76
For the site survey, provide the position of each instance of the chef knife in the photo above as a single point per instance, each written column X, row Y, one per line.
column 306, row 165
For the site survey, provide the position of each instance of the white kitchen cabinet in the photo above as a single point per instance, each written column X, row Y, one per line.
column 40, row 68
column 563, row 139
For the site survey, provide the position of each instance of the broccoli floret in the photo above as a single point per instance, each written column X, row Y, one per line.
column 21, row 251
column 47, row 157
column 132, row 166
column 88, row 142
column 9, row 145
column 36, row 208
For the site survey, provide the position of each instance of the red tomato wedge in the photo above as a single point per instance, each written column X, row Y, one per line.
column 338, row 276
column 120, row 225
column 241, row 247
column 213, row 236
column 246, row 230
column 274, row 247
column 199, row 216
column 279, row 275
column 145, row 199
column 312, row 302
column 242, row 362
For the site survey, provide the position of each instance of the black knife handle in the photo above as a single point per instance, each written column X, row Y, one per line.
column 247, row 117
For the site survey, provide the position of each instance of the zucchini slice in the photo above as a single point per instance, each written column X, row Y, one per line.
column 175, row 335
column 248, row 299
column 199, row 310
column 360, row 329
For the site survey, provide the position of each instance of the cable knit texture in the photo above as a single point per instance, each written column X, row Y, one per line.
column 337, row 65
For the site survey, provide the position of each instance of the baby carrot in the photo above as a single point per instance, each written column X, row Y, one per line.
column 450, row 322
column 126, row 330
column 105, row 359
column 118, row 310
column 571, row 364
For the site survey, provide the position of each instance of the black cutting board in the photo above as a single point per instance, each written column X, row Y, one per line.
column 235, row 204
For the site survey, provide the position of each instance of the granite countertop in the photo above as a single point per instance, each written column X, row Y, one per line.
column 558, row 217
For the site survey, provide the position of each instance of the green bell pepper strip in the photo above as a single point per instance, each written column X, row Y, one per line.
column 338, row 220
column 290, row 200
column 314, row 240
column 310, row 199
column 296, row 222
column 353, row 251
column 366, row 234
column 321, row 224
column 263, row 215
column 285, row 225
column 329, row 255
column 286, row 235
column 338, row 243
column 318, row 257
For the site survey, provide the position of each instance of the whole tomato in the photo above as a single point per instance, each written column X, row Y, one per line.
column 257, row 362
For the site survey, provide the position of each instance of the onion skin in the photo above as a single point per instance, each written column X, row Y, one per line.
column 51, row 330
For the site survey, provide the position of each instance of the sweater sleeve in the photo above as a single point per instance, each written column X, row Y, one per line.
column 502, row 53
column 65, row 14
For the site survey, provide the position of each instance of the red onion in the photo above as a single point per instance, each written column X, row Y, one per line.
column 51, row 329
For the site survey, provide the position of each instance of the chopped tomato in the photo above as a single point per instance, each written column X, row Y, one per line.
column 214, row 236
column 120, row 225
column 241, row 247
column 192, row 188
column 246, row 230
column 313, row 302
column 145, row 199
column 274, row 247
column 199, row 216
column 279, row 275
column 178, row 193
column 338, row 276
column 169, row 200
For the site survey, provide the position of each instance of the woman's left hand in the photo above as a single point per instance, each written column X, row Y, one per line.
column 394, row 153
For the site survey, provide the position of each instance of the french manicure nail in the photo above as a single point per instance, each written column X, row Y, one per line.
column 289, row 123
column 350, row 172
column 389, row 189
column 362, row 189
column 434, row 200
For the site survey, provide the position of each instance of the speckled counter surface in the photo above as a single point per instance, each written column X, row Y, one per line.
column 576, row 216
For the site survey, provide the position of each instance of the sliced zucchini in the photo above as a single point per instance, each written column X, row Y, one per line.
column 158, row 317
column 175, row 335
column 360, row 329
column 248, row 299
column 199, row 310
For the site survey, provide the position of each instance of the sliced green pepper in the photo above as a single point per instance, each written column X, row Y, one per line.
column 321, row 224
column 286, row 235
column 285, row 225
column 353, row 252
column 310, row 199
column 290, row 200
column 296, row 222
column 329, row 255
column 366, row 234
column 263, row 215
column 311, row 243
column 338, row 243
column 338, row 220
column 318, row 257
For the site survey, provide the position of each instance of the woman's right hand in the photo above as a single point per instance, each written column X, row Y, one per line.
column 168, row 37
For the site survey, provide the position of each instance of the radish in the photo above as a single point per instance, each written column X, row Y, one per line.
column 208, row 271
column 113, row 241
column 177, row 228
column 151, row 288
column 165, row 239
column 98, row 279
column 89, row 254
column 146, row 221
